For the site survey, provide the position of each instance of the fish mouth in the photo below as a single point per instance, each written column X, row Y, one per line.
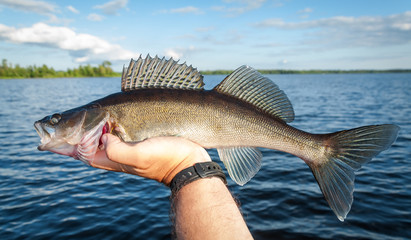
column 45, row 137
column 78, row 143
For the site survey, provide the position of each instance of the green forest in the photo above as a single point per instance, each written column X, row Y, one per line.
column 8, row 70
column 285, row 71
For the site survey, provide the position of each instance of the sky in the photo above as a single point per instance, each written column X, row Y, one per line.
column 210, row 35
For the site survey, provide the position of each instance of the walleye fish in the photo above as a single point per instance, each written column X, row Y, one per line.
column 246, row 110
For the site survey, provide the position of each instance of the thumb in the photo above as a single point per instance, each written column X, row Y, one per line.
column 116, row 149
column 108, row 139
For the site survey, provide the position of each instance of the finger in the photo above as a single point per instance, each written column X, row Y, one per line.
column 118, row 150
column 101, row 161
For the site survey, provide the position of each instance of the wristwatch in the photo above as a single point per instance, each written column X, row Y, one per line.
column 198, row 171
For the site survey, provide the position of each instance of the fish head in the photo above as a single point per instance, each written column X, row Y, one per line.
column 75, row 133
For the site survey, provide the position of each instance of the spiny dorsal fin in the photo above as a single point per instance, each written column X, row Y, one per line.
column 160, row 73
column 249, row 85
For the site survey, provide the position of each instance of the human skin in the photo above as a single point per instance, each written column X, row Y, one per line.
column 203, row 209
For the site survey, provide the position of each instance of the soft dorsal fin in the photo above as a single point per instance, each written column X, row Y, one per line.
column 160, row 73
column 247, row 84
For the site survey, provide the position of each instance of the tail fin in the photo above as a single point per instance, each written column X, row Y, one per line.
column 345, row 152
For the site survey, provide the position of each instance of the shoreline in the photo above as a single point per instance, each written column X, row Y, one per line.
column 227, row 72
column 313, row 71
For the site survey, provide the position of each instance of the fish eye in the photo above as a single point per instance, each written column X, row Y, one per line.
column 55, row 118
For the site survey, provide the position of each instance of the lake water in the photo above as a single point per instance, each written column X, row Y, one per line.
column 48, row 196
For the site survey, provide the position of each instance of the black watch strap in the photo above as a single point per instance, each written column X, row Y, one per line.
column 199, row 170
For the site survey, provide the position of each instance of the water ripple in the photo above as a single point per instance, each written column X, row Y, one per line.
column 47, row 196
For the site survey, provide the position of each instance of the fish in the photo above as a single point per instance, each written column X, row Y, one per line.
column 243, row 113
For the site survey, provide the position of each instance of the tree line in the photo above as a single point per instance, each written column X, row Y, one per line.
column 286, row 71
column 7, row 70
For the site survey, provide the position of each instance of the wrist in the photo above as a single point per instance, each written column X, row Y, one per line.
column 199, row 156
column 197, row 172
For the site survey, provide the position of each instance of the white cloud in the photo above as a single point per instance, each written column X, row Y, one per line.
column 180, row 52
column 111, row 8
column 173, row 53
column 55, row 20
column 95, row 17
column 240, row 6
column 352, row 31
column 72, row 9
column 35, row 6
column 306, row 10
column 405, row 26
column 39, row 7
column 84, row 48
column 207, row 36
column 283, row 62
column 183, row 10
column 189, row 9
column 218, row 8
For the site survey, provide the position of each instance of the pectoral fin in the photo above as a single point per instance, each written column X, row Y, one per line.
column 242, row 163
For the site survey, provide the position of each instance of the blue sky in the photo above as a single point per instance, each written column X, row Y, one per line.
column 265, row 34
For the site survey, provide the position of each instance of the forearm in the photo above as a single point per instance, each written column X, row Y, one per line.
column 205, row 209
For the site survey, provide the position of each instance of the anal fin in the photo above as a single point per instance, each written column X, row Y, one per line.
column 242, row 163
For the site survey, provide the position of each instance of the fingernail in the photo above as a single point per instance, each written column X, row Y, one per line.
column 104, row 139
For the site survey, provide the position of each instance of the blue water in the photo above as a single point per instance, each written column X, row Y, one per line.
column 48, row 196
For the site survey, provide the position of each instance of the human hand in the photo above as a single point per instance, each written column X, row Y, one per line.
column 159, row 158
